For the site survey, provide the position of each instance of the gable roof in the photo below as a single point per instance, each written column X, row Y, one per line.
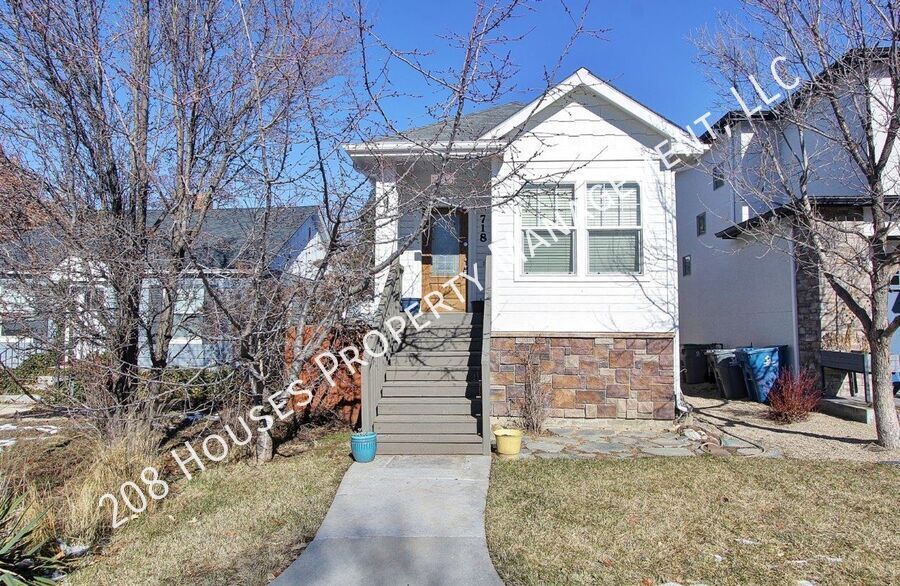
column 227, row 234
column 471, row 126
column 682, row 142
column 852, row 58
column 496, row 124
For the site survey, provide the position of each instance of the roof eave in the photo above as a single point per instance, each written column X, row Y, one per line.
column 406, row 148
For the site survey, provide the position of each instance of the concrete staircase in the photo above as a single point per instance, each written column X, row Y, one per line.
column 430, row 402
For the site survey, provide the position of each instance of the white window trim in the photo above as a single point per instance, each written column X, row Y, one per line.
column 582, row 272
column 519, row 246
column 195, row 340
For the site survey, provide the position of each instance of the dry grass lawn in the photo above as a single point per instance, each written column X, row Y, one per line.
column 716, row 521
column 232, row 524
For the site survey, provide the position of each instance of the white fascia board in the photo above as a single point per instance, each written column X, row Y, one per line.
column 405, row 148
column 682, row 142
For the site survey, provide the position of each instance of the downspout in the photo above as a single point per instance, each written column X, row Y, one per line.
column 681, row 406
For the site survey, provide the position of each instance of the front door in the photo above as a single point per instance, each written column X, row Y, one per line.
column 444, row 257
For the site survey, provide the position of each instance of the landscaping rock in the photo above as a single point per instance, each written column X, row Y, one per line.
column 544, row 445
column 691, row 434
column 733, row 442
column 601, row 448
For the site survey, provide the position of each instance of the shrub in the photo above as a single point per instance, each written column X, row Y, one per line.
column 110, row 465
column 21, row 562
column 27, row 373
column 537, row 395
column 794, row 396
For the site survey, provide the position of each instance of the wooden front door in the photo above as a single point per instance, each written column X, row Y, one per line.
column 444, row 248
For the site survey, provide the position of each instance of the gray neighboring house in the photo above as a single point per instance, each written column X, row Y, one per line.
column 294, row 244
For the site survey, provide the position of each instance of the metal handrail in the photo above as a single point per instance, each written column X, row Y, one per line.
column 375, row 368
column 486, row 361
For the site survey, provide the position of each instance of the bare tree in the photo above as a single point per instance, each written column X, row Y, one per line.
column 833, row 133
column 138, row 119
column 142, row 119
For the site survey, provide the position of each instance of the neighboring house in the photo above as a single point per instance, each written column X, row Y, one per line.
column 732, row 290
column 593, row 307
column 739, row 287
column 294, row 244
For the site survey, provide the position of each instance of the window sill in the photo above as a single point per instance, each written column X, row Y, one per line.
column 184, row 341
column 562, row 278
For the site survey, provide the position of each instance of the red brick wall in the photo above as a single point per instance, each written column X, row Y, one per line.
column 589, row 377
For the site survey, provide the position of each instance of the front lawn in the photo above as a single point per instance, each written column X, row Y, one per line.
column 232, row 524
column 716, row 521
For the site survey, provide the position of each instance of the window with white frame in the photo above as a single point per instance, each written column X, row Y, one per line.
column 548, row 230
column 188, row 307
column 613, row 222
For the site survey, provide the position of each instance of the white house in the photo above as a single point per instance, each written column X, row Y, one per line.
column 561, row 213
column 294, row 243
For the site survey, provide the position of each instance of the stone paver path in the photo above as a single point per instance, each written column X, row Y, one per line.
column 403, row 520
column 582, row 443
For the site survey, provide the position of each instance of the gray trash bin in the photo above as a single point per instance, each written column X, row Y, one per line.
column 693, row 358
column 728, row 372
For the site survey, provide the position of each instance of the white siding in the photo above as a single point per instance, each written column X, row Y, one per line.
column 307, row 244
column 581, row 140
column 411, row 258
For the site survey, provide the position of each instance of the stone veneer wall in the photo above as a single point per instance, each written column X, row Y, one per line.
column 608, row 376
column 823, row 321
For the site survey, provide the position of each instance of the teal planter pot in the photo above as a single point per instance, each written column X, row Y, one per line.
column 363, row 446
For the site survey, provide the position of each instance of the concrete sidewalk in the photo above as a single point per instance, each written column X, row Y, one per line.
column 403, row 520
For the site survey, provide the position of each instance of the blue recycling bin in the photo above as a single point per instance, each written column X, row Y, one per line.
column 761, row 367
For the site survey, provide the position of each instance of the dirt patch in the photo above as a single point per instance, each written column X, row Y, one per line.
column 821, row 437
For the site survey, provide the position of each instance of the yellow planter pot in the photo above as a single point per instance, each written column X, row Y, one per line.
column 509, row 441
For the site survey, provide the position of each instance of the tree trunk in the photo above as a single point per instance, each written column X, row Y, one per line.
column 264, row 444
column 887, row 424
column 264, row 447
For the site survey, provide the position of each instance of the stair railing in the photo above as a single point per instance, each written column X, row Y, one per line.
column 374, row 370
column 486, row 361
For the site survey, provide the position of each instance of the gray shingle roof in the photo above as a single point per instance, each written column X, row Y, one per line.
column 227, row 235
column 471, row 126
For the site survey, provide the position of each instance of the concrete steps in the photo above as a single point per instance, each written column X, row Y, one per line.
column 430, row 401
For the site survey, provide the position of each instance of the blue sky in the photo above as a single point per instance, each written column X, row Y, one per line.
column 647, row 53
